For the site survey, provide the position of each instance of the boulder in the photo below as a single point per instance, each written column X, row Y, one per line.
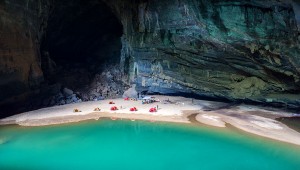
column 95, row 94
column 78, row 101
column 131, row 93
column 67, row 92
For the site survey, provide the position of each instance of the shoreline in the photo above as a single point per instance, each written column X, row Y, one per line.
column 97, row 116
column 250, row 119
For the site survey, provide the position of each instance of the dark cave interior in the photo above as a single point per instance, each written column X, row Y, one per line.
column 81, row 40
column 82, row 37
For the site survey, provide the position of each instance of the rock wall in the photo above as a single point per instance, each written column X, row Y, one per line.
column 21, row 28
column 238, row 50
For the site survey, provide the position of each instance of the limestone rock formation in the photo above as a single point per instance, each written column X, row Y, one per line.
column 22, row 24
column 238, row 50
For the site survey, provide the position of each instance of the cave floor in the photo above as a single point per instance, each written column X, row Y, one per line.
column 252, row 119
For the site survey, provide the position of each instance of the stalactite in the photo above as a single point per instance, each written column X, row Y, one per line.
column 141, row 16
column 148, row 17
column 186, row 10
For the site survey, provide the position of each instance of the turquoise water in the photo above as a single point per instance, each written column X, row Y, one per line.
column 139, row 145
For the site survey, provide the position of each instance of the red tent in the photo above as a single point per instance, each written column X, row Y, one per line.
column 114, row 108
column 153, row 109
column 133, row 109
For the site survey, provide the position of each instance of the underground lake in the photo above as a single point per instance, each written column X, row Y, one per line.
column 125, row 144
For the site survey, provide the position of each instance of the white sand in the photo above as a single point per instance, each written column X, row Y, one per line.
column 258, row 125
column 247, row 118
column 86, row 108
column 210, row 119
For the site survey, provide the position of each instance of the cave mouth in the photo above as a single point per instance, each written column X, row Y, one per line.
column 82, row 39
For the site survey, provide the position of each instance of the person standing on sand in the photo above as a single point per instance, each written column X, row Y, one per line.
column 157, row 107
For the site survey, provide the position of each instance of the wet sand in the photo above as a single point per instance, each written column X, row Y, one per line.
column 292, row 122
column 250, row 119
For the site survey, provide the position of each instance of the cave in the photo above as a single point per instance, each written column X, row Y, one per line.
column 149, row 84
column 81, row 39
column 58, row 52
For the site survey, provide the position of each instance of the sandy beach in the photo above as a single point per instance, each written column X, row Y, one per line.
column 251, row 119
